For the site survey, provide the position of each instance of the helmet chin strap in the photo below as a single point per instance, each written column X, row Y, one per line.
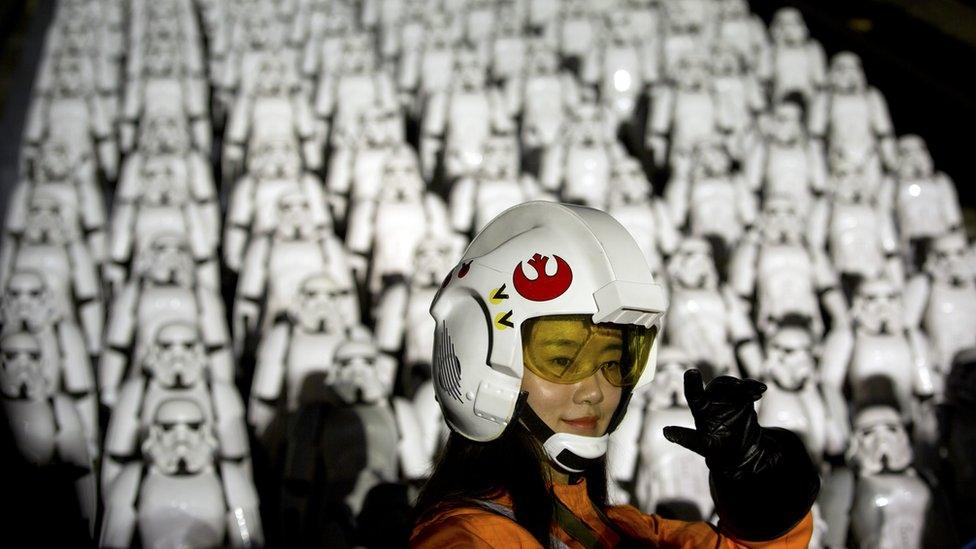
column 570, row 453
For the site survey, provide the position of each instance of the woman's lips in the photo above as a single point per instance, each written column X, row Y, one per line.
column 587, row 424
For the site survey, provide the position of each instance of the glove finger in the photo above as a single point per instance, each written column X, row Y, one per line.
column 694, row 388
column 734, row 390
column 755, row 387
column 689, row 438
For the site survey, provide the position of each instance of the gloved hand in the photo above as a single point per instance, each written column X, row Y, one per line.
column 763, row 481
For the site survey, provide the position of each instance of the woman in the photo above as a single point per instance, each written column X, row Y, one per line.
column 544, row 330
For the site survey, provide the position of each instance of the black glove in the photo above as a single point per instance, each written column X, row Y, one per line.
column 762, row 480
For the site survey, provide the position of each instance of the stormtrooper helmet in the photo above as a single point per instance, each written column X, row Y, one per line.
column 846, row 74
column 294, row 217
column 691, row 70
column 630, row 186
column 28, row 371
column 950, row 260
column 877, row 307
column 788, row 27
column 692, row 266
column 180, row 440
column 434, row 254
column 28, row 302
column 356, row 377
column 57, row 159
column 790, row 362
column 47, row 222
column 667, row 388
column 164, row 131
column 539, row 259
column 880, row 443
column 712, row 158
column 315, row 306
column 161, row 184
column 781, row 222
column 275, row 156
column 785, row 126
column 500, row 159
column 402, row 182
column 176, row 357
column 914, row 160
column 166, row 260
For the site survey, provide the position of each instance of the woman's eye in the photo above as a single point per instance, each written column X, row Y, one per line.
column 561, row 361
column 611, row 364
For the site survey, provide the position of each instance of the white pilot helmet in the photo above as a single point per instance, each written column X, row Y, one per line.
column 533, row 260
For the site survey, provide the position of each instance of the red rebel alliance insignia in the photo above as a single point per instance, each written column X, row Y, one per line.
column 543, row 287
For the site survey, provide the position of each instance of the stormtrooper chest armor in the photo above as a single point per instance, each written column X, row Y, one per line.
column 950, row 318
column 787, row 170
column 161, row 305
column 420, row 326
column 273, row 109
column 468, row 121
column 544, row 106
column 694, row 117
column 367, row 172
column 71, row 114
column 671, row 472
column 290, row 262
column 178, row 511
column 698, row 318
column 399, row 227
column 854, row 244
column 785, row 409
column 639, row 222
column 587, row 174
column 495, row 196
column 713, row 207
column 436, row 69
column 884, row 355
column 355, row 94
column 920, row 208
column 792, row 70
column 622, row 79
column 889, row 510
column 731, row 102
column 784, row 281
column 849, row 120
column 266, row 195
column 577, row 36
column 154, row 219
column 308, row 353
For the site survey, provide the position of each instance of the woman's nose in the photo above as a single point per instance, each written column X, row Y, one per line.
column 590, row 390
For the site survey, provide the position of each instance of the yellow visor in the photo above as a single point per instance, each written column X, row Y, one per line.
column 570, row 348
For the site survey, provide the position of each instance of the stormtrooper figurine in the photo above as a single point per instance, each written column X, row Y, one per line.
column 578, row 29
column 65, row 169
column 622, row 73
column 175, row 365
column 383, row 234
column 496, row 186
column 924, row 201
column 849, row 114
column 686, row 29
column 787, row 276
column 509, row 46
column 879, row 352
column 890, row 500
column 354, row 88
column 795, row 65
column 403, row 325
column 168, row 194
column 28, row 304
column 271, row 103
column 578, row 166
column 786, row 163
column 278, row 259
column 162, row 289
column 646, row 218
column 544, row 95
column 668, row 476
column 186, row 99
column 458, row 120
column 942, row 299
column 51, row 246
column 740, row 31
column 321, row 54
column 179, row 495
column 794, row 400
column 709, row 198
column 853, row 225
column 356, row 169
column 426, row 64
column 705, row 321
column 683, row 111
column 44, row 419
column 738, row 98
column 274, row 168
column 298, row 350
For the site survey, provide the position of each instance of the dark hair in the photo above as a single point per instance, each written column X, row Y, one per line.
column 514, row 463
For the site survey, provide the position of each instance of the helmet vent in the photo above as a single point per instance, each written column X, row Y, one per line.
column 447, row 368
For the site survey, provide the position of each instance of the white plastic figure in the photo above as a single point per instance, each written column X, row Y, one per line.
column 509, row 46
column 669, row 474
column 743, row 32
column 51, row 246
column 544, row 94
column 185, row 98
column 738, row 97
column 705, row 320
column 890, row 501
column 880, row 352
column 165, row 193
column 924, row 201
column 687, row 27
column 646, row 218
column 162, row 289
column 457, row 120
column 708, row 197
column 796, row 64
column 274, row 168
column 852, row 223
column 384, row 233
column 621, row 71
column 851, row 115
column 175, row 364
column 578, row 166
column 279, row 259
column 355, row 172
column 44, row 422
column 297, row 350
column 942, row 299
column 427, row 56
column 786, row 276
column 578, row 30
column 496, row 186
column 179, row 495
column 786, row 163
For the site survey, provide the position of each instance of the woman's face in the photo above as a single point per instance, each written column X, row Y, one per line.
column 583, row 407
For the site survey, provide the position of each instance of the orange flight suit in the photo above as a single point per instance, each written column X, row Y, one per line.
column 473, row 526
